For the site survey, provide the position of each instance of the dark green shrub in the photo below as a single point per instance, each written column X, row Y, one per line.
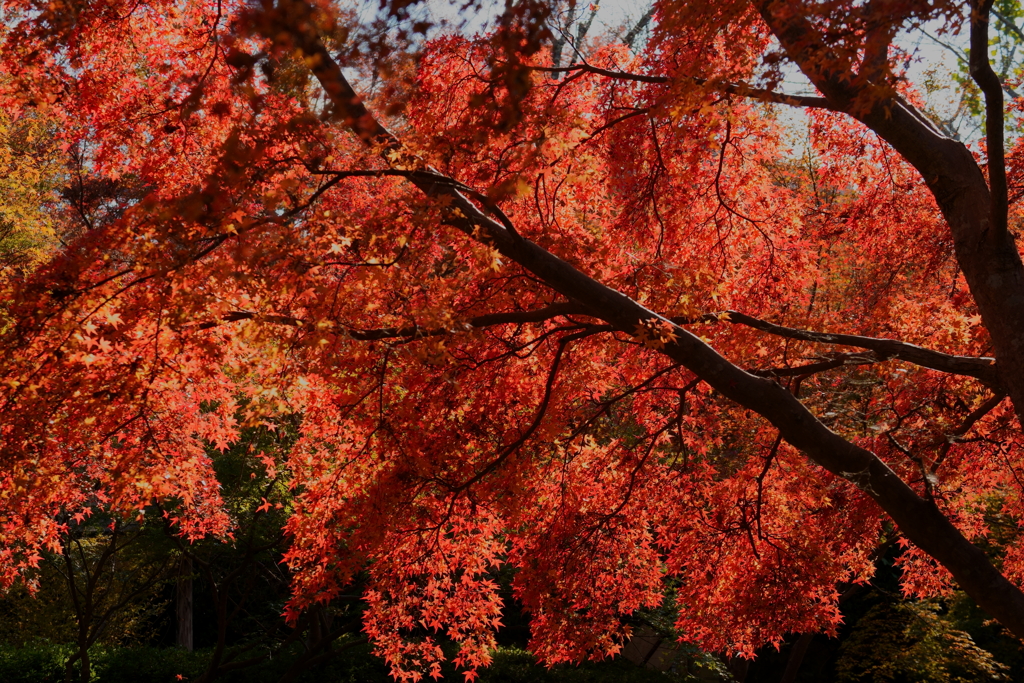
column 44, row 663
column 34, row 662
column 148, row 665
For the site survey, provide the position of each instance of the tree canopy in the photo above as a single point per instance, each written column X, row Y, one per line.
column 591, row 317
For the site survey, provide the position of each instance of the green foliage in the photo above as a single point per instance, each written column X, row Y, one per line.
column 689, row 659
column 513, row 665
column 47, row 616
column 245, row 570
column 125, row 583
column 149, row 665
column 1004, row 54
column 913, row 642
column 43, row 663
column 34, row 662
column 988, row 634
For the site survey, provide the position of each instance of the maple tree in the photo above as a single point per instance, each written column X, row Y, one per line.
column 596, row 322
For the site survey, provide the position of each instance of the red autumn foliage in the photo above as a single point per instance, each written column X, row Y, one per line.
column 599, row 323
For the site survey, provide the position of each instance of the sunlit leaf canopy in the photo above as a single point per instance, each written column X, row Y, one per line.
column 435, row 245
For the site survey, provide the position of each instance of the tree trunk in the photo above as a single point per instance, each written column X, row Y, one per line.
column 184, row 604
column 796, row 657
column 803, row 643
column 739, row 668
column 85, row 670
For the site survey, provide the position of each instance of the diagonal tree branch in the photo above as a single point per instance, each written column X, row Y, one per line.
column 1007, row 22
column 430, row 177
column 582, row 29
column 634, row 33
column 952, row 437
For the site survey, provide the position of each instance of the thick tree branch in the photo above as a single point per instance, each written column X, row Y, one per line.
column 773, row 97
column 415, row 331
column 559, row 43
column 986, row 78
column 884, row 349
column 290, row 25
column 839, row 361
column 488, row 320
column 739, row 89
column 634, row 33
column 589, row 68
column 985, row 251
column 427, row 176
column 582, row 29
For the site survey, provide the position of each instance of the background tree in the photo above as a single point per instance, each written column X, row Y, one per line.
column 101, row 587
column 912, row 642
column 32, row 170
